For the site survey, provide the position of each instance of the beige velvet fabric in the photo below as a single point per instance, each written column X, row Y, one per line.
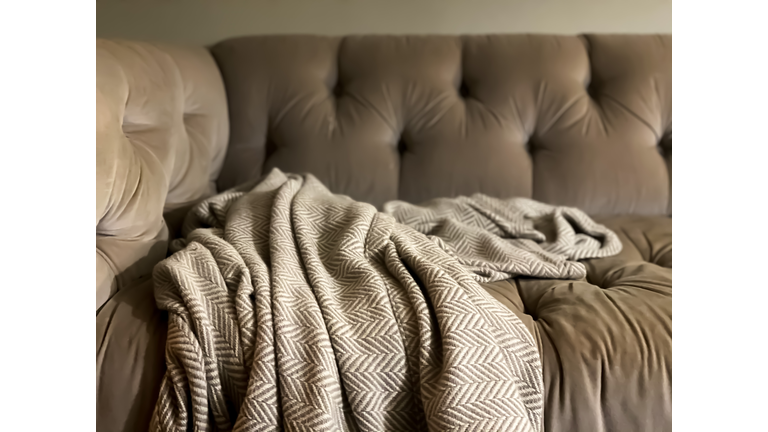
column 567, row 120
column 130, row 359
column 605, row 342
column 583, row 121
column 161, row 134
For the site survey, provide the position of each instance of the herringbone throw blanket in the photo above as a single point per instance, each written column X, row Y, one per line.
column 293, row 308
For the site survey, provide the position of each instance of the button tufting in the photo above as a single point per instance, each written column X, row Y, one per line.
column 337, row 90
column 468, row 104
column 464, row 90
column 402, row 146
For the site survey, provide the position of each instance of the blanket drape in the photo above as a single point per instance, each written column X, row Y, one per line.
column 293, row 308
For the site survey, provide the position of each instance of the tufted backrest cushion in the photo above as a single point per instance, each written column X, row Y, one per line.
column 582, row 121
column 161, row 134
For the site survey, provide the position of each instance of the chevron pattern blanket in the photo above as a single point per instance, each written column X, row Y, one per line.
column 293, row 308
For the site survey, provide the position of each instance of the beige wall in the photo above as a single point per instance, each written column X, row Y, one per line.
column 208, row 21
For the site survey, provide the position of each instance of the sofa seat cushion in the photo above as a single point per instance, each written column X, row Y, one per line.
column 606, row 342
column 130, row 359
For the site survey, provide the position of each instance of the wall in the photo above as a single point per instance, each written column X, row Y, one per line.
column 208, row 21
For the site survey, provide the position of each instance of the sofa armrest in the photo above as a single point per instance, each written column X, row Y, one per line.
column 130, row 359
column 161, row 134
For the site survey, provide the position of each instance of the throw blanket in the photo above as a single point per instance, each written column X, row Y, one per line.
column 293, row 308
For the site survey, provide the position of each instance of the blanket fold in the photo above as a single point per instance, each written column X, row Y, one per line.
column 293, row 308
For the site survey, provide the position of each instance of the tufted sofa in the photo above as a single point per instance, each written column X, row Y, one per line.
column 582, row 121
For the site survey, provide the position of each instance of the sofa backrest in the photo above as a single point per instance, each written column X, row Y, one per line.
column 582, row 121
column 161, row 134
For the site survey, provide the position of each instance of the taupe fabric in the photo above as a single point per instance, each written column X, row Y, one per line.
column 532, row 107
column 499, row 239
column 130, row 359
column 161, row 134
column 582, row 121
column 606, row 341
column 303, row 356
column 574, row 399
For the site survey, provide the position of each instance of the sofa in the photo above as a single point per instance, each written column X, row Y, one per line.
column 582, row 121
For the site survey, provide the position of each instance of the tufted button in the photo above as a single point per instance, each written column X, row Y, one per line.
column 665, row 142
column 464, row 90
column 337, row 90
column 592, row 89
column 402, row 146
column 530, row 146
column 270, row 146
column 468, row 104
